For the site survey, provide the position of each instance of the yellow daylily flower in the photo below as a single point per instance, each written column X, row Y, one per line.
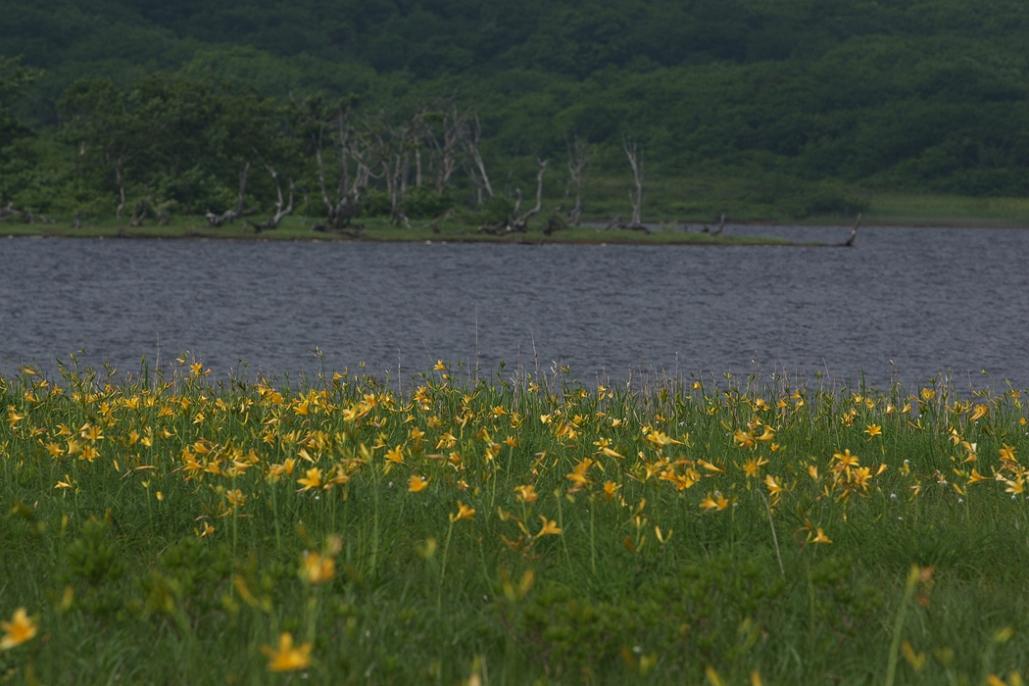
column 715, row 501
column 311, row 479
column 549, row 528
column 463, row 512
column 18, row 630
column 526, row 493
column 316, row 568
column 285, row 657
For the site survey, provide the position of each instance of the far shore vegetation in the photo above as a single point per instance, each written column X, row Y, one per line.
column 695, row 228
column 512, row 117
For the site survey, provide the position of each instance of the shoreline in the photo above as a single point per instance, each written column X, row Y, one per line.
column 588, row 234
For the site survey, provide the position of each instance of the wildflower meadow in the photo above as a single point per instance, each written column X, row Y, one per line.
column 191, row 529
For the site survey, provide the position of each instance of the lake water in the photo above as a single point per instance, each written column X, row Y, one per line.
column 904, row 304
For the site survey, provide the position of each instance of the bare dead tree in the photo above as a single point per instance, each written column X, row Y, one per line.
column 417, row 134
column 635, row 157
column 446, row 146
column 517, row 221
column 283, row 208
column 396, row 148
column 578, row 159
column 472, row 140
column 393, row 173
column 234, row 213
column 119, row 180
column 541, row 169
column 353, row 173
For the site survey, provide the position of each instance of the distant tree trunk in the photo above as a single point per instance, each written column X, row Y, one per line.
column 635, row 157
column 472, row 139
column 393, row 170
column 446, row 148
column 119, row 180
column 343, row 208
column 282, row 208
column 578, row 158
column 516, row 222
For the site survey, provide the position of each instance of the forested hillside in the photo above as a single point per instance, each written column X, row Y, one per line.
column 118, row 99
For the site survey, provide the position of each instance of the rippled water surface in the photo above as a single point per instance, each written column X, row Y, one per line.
column 904, row 304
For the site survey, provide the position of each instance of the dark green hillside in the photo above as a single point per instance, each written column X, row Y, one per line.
column 830, row 99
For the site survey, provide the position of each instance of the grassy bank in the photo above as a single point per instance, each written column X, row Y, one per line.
column 509, row 532
column 692, row 204
column 380, row 230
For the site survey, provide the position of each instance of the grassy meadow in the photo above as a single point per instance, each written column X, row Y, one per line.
column 348, row 530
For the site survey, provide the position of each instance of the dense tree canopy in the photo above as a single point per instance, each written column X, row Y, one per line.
column 915, row 94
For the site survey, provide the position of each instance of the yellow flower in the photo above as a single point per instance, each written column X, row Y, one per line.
column 714, row 469
column 820, row 537
column 979, row 412
column 578, row 475
column 715, row 501
column 873, row 430
column 661, row 439
column 549, row 528
column 417, row 483
column 752, row 467
column 13, row 417
column 316, row 568
column 743, row 439
column 396, row 455
column 845, row 460
column 285, row 657
column 927, row 394
column 440, row 366
column 1007, row 453
column 20, row 629
column 236, row 497
column 463, row 512
column 91, row 432
column 526, row 493
column 610, row 488
column 311, row 479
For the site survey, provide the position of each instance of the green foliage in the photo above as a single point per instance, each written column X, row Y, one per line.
column 923, row 97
